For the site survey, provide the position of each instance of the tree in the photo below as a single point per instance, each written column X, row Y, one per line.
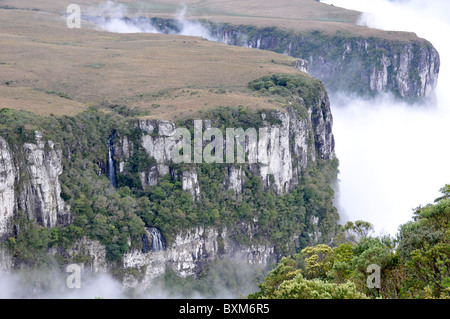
column 424, row 246
column 356, row 231
column 301, row 288
column 445, row 191
column 319, row 260
column 286, row 269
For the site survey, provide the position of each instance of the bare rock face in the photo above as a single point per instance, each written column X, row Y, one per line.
column 93, row 251
column 283, row 151
column 6, row 262
column 362, row 65
column 29, row 182
column 189, row 252
column 40, row 197
column 190, row 184
column 301, row 65
column 7, row 193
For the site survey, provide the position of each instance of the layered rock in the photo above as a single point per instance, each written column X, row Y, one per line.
column 281, row 151
column 286, row 146
column 29, row 182
column 408, row 69
column 190, row 251
column 7, row 192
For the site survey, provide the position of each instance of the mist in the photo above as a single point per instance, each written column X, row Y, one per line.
column 111, row 17
column 51, row 283
column 394, row 156
column 224, row 278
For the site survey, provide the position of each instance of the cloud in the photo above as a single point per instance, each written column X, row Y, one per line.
column 50, row 283
column 394, row 156
column 113, row 17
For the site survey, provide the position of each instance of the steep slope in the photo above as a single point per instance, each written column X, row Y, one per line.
column 130, row 93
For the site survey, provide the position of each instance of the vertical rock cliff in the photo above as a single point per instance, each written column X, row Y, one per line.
column 365, row 65
column 29, row 183
column 251, row 211
column 282, row 154
column 291, row 144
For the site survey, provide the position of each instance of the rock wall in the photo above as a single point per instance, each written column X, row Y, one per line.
column 190, row 251
column 282, row 151
column 29, row 182
column 292, row 143
column 7, row 192
column 345, row 62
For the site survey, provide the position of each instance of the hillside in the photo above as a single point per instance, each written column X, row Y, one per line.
column 48, row 68
column 89, row 151
column 345, row 56
column 298, row 15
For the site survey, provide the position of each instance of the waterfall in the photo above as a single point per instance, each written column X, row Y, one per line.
column 111, row 170
column 158, row 242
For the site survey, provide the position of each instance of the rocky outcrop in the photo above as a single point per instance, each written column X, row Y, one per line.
column 7, row 192
column 409, row 69
column 288, row 142
column 344, row 61
column 29, row 182
column 282, row 151
column 40, row 196
column 6, row 261
column 91, row 253
column 190, row 251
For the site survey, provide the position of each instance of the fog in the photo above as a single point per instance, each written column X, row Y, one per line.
column 394, row 156
column 224, row 278
column 115, row 23
column 51, row 283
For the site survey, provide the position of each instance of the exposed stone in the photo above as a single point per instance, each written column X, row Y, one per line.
column 409, row 69
column 94, row 253
column 40, row 196
column 190, row 184
column 29, row 182
column 190, row 251
column 7, row 194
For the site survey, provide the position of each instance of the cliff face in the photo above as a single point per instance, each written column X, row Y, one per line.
column 408, row 69
column 29, row 183
column 365, row 65
column 229, row 210
column 292, row 144
column 281, row 157
column 7, row 193
column 190, row 251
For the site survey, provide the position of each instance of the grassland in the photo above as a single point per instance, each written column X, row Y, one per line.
column 297, row 15
column 50, row 69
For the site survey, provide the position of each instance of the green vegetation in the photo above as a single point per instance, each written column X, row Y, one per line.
column 117, row 217
column 290, row 85
column 343, row 60
column 415, row 264
column 60, row 94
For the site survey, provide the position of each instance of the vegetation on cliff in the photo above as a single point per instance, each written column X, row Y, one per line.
column 117, row 217
column 414, row 264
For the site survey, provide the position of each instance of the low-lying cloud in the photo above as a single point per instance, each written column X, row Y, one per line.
column 51, row 283
column 224, row 278
column 394, row 156
column 115, row 17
